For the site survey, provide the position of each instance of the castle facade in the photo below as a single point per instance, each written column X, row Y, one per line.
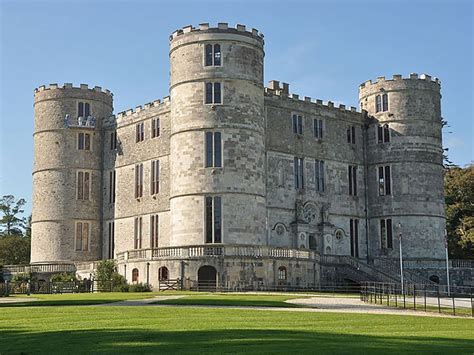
column 226, row 181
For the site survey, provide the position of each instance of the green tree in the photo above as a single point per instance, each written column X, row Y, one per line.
column 459, row 194
column 10, row 221
column 14, row 250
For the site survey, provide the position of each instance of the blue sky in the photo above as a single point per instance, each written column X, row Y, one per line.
column 323, row 49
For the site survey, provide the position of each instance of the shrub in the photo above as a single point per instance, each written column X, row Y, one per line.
column 22, row 277
column 107, row 274
column 139, row 288
column 64, row 277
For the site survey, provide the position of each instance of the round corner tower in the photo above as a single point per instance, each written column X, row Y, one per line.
column 404, row 166
column 217, row 136
column 67, row 172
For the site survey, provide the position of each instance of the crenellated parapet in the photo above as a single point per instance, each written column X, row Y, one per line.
column 221, row 27
column 395, row 77
column 138, row 109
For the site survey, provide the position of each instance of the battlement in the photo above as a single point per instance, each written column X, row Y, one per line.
column 221, row 27
column 70, row 86
column 274, row 90
column 148, row 105
column 412, row 76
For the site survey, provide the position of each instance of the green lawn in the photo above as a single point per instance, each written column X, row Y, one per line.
column 151, row 329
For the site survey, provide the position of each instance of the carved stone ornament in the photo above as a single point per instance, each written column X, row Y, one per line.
column 310, row 213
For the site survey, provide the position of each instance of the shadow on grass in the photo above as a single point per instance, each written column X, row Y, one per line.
column 220, row 341
column 227, row 302
column 41, row 303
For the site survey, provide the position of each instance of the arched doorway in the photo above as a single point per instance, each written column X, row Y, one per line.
column 312, row 242
column 207, row 278
column 163, row 273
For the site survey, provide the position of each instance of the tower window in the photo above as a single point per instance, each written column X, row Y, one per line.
column 111, row 229
column 155, row 177
column 352, row 177
column 83, row 109
column 351, row 136
column 383, row 134
column 83, row 185
column 385, row 102
column 112, row 178
column 386, row 239
column 297, row 121
column 319, row 175
column 113, row 140
column 82, row 236
column 381, row 103
column 155, row 127
column 138, row 180
column 83, row 141
column 385, row 180
column 213, row 93
column 212, row 54
column 137, row 241
column 299, row 173
column 154, row 230
column 213, row 149
column 213, row 219
column 354, row 235
column 140, row 132
column 318, row 128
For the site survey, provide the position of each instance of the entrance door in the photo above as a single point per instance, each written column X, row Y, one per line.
column 207, row 278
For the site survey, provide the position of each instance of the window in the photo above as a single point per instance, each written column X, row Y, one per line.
column 113, row 140
column 381, row 103
column 213, row 93
column 386, row 239
column 297, row 122
column 155, row 177
column 138, row 180
column 138, row 233
column 213, row 219
column 213, row 149
column 135, row 275
column 299, row 173
column 352, row 177
column 319, row 175
column 155, row 127
column 212, row 55
column 83, row 185
column 83, row 141
column 384, row 176
column 82, row 236
column 383, row 134
column 318, row 128
column 354, row 235
column 163, row 273
column 351, row 136
column 83, row 109
column 282, row 273
column 111, row 228
column 154, row 230
column 112, row 177
column 140, row 132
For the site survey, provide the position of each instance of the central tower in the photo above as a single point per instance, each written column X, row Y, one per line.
column 217, row 190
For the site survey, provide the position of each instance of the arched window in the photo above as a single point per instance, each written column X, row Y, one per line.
column 282, row 273
column 386, row 133
column 385, row 102
column 135, row 275
column 163, row 273
column 434, row 278
column 378, row 103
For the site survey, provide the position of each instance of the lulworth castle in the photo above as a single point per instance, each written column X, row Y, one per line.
column 230, row 182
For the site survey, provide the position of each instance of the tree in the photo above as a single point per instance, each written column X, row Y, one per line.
column 14, row 250
column 10, row 222
column 459, row 197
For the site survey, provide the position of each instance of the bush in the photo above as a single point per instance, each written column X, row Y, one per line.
column 22, row 277
column 64, row 277
column 139, row 288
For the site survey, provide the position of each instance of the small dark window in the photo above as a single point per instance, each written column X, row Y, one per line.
column 282, row 273
column 83, row 109
column 111, row 239
column 378, row 103
column 138, row 180
column 386, row 238
column 299, row 173
column 385, row 102
column 138, row 233
column 351, row 138
column 352, row 177
column 84, row 141
column 155, row 177
column 212, row 55
column 386, row 133
column 135, row 275
column 318, row 128
column 140, row 132
column 208, row 55
column 217, row 93
column 354, row 235
column 113, row 140
column 217, row 55
column 213, row 149
column 213, row 93
column 163, row 273
column 154, row 230
column 112, row 179
column 385, row 180
column 319, row 175
column 297, row 121
column 155, row 127
column 213, row 219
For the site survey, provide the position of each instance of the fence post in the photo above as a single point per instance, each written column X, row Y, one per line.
column 414, row 297
column 425, row 297
column 395, row 289
column 404, row 300
column 472, row 306
column 454, row 304
column 439, row 303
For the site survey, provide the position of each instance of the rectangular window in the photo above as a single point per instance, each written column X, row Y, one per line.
column 383, row 134
column 140, row 132
column 83, row 141
column 319, row 175
column 138, row 180
column 299, row 173
column 155, row 177
column 111, row 229
column 385, row 102
column 351, row 135
column 112, row 177
column 212, row 55
column 154, row 230
column 155, row 127
column 113, row 140
column 385, row 180
column 82, row 236
column 213, row 219
column 318, row 128
column 354, row 235
column 213, row 149
column 352, row 177
column 297, row 121
column 213, row 93
column 378, row 103
column 83, row 185
column 138, row 233
column 386, row 237
column 83, row 109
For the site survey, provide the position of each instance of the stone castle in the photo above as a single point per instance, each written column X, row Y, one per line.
column 228, row 182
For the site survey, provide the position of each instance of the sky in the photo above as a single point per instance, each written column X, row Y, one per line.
column 324, row 49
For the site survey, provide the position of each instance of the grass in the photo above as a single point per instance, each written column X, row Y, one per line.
column 150, row 329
